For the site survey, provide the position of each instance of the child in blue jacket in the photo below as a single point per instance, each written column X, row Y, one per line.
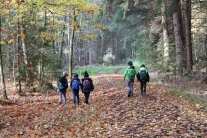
column 75, row 83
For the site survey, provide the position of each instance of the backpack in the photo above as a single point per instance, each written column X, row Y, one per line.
column 75, row 85
column 143, row 75
column 131, row 74
column 86, row 84
column 59, row 84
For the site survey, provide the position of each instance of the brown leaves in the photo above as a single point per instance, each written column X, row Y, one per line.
column 110, row 114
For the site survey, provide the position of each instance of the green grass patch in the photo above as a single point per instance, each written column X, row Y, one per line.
column 180, row 92
column 98, row 69
column 103, row 69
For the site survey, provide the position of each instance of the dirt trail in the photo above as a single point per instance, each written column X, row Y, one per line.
column 110, row 114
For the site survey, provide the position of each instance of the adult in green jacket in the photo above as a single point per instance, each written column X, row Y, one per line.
column 130, row 73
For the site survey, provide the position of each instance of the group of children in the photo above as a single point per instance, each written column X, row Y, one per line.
column 86, row 83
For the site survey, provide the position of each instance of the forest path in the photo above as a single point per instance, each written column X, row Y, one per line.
column 110, row 114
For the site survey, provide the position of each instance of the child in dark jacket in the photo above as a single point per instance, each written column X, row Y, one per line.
column 143, row 77
column 63, row 88
column 87, row 86
column 75, row 83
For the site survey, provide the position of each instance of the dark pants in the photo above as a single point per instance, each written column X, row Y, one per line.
column 143, row 88
column 87, row 94
column 75, row 94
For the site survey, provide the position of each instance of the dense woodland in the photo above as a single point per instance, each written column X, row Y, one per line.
column 41, row 38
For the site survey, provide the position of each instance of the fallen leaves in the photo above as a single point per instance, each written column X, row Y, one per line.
column 110, row 114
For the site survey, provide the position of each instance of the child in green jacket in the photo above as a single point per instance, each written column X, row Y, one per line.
column 130, row 73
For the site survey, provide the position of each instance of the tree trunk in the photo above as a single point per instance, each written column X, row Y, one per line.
column 18, row 64
column 165, row 35
column 53, row 32
column 63, row 42
column 102, row 43
column 14, row 63
column 116, row 49
column 41, row 62
column 178, row 37
column 187, row 15
column 3, row 85
column 71, row 46
column 90, row 52
column 24, row 49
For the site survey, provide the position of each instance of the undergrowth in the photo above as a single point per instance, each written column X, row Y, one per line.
column 180, row 92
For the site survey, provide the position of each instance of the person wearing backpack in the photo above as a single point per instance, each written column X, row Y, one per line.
column 130, row 73
column 143, row 77
column 75, row 83
column 62, row 86
column 87, row 86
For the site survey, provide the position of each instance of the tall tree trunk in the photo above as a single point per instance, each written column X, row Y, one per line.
column 14, row 64
column 90, row 52
column 53, row 32
column 116, row 49
column 63, row 42
column 41, row 64
column 187, row 15
column 165, row 35
column 71, row 45
column 18, row 63
column 68, row 38
column 102, row 43
column 178, row 37
column 3, row 85
column 24, row 49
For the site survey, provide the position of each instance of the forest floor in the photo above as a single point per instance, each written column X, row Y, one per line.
column 110, row 113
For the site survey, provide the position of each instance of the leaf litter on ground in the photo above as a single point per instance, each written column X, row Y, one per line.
column 110, row 114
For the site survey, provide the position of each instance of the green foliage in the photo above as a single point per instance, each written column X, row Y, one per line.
column 97, row 69
column 179, row 92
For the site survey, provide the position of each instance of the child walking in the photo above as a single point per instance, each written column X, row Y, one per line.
column 75, row 83
column 87, row 86
column 62, row 86
column 130, row 73
column 143, row 77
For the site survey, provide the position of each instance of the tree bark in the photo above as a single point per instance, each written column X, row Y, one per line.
column 90, row 52
column 165, row 35
column 3, row 85
column 187, row 15
column 41, row 62
column 71, row 45
column 178, row 37
column 116, row 49
column 102, row 44
column 62, row 43
column 14, row 64
column 18, row 63
column 24, row 49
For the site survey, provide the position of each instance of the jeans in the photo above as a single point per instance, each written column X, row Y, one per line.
column 129, row 86
column 63, row 93
column 75, row 96
column 143, row 88
column 87, row 94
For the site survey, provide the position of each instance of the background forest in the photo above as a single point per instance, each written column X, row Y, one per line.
column 41, row 38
